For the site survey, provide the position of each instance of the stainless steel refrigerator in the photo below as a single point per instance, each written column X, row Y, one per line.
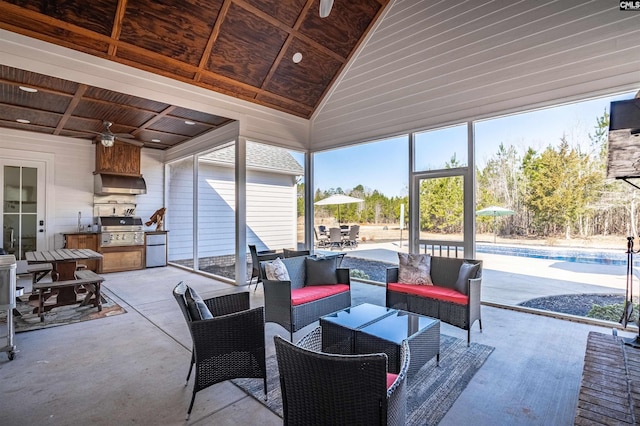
column 156, row 249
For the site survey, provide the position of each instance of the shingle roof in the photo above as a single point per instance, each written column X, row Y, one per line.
column 259, row 157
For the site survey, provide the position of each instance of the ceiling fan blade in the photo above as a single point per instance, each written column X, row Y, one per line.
column 124, row 135
column 129, row 141
column 325, row 8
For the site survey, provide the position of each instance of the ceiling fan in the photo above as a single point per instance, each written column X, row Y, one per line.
column 325, row 8
column 107, row 137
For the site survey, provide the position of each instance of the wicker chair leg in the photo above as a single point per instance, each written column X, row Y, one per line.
column 193, row 398
column 193, row 361
column 480, row 324
column 265, row 387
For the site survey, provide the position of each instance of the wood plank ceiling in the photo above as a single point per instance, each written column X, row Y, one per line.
column 242, row 48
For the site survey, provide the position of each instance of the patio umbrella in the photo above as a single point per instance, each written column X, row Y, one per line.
column 495, row 211
column 338, row 199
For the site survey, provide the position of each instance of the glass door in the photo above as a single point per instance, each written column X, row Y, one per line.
column 441, row 215
column 22, row 187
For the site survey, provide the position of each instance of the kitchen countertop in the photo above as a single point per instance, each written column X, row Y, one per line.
column 81, row 233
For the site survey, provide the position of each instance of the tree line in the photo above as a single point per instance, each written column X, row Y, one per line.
column 559, row 191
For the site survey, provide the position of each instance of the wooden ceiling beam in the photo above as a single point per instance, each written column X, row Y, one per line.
column 70, row 108
column 287, row 42
column 291, row 31
column 117, row 27
column 35, row 86
column 158, row 116
column 215, row 31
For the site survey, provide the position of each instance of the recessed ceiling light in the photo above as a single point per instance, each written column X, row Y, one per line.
column 297, row 57
column 23, row 121
column 28, row 89
column 155, row 140
column 190, row 123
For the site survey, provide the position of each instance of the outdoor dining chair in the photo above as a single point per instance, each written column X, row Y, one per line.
column 335, row 238
column 256, row 257
column 351, row 239
column 295, row 253
column 322, row 240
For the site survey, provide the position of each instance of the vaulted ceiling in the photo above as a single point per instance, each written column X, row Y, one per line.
column 242, row 48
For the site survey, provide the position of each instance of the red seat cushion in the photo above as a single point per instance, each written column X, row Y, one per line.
column 308, row 294
column 431, row 291
column 390, row 379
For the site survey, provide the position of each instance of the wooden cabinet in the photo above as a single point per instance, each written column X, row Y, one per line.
column 84, row 241
column 120, row 159
column 118, row 259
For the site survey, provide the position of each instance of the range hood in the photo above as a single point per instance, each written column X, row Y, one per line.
column 105, row 184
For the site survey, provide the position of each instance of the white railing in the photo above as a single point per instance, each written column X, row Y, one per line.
column 442, row 248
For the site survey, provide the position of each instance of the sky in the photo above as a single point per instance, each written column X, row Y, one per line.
column 383, row 165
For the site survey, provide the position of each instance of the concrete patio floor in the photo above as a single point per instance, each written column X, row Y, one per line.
column 130, row 369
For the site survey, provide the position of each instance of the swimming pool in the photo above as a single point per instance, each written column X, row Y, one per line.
column 565, row 254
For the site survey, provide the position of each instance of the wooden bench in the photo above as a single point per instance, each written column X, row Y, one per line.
column 37, row 270
column 84, row 278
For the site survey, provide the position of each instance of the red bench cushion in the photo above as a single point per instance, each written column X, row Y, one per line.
column 431, row 291
column 303, row 295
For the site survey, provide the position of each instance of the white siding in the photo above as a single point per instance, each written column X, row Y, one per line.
column 431, row 63
column 216, row 211
column 152, row 169
column 180, row 210
column 271, row 210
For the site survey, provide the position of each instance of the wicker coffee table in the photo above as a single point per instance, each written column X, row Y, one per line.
column 368, row 328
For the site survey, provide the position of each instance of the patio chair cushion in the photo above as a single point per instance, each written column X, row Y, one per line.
column 414, row 268
column 321, row 270
column 276, row 270
column 432, row 292
column 300, row 296
column 390, row 379
column 467, row 271
column 197, row 308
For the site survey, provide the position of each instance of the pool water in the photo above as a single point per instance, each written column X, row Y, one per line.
column 565, row 254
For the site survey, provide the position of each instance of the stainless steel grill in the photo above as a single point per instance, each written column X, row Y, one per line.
column 121, row 231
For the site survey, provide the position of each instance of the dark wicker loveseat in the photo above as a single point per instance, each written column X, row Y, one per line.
column 442, row 300
column 303, row 299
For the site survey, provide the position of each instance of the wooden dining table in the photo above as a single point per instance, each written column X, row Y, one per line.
column 64, row 262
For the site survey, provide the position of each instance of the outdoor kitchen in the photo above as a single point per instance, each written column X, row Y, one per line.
column 116, row 231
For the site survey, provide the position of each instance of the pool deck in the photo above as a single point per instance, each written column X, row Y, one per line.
column 510, row 280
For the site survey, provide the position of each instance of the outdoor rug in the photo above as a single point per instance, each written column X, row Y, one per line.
column 60, row 315
column 430, row 393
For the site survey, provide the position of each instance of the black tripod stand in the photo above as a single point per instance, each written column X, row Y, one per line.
column 628, row 302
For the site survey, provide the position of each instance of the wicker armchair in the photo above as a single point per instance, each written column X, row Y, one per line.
column 230, row 345
column 279, row 305
column 321, row 389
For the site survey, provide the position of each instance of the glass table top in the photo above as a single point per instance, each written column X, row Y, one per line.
column 357, row 316
column 398, row 326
